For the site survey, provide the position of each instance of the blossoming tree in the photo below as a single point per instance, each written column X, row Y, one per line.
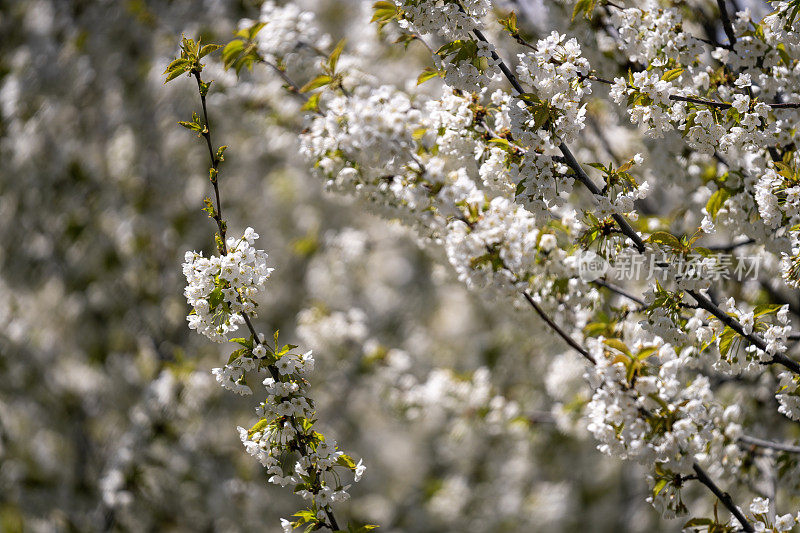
column 612, row 176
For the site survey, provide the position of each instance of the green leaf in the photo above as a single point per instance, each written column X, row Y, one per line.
column 659, row 486
column 541, row 115
column 251, row 32
column 221, row 153
column 583, row 6
column 618, row 345
column 500, row 141
column 231, row 53
column 178, row 63
column 384, row 12
column 237, row 354
column 247, row 342
column 261, row 424
column 209, row 207
column 333, row 59
column 716, row 202
column 510, row 24
column 207, row 49
column 725, row 340
column 285, row 349
column 358, row 529
column 665, row 238
column 346, row 461
column 194, row 126
column 216, row 297
column 785, row 57
column 766, row 309
column 306, row 515
column 672, row 74
column 175, row 73
column 316, row 83
column 644, row 353
column 405, row 39
column 312, row 104
column 699, row 522
column 428, row 74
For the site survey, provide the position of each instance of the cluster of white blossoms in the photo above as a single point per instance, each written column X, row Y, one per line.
column 546, row 184
column 655, row 111
column 470, row 74
column 504, row 240
column 451, row 20
column 764, row 520
column 373, row 126
column 735, row 359
column 739, row 122
column 287, row 415
column 443, row 396
column 468, row 63
column 555, row 71
column 286, row 420
column 777, row 195
column 221, row 288
column 288, row 30
column 649, row 33
column 643, row 409
column 788, row 395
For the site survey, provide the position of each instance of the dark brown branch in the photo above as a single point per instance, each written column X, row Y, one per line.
column 690, row 99
column 723, row 497
column 206, row 133
column 730, row 247
column 726, row 22
column 734, row 324
column 561, row 333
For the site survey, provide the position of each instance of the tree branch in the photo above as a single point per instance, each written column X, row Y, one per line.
column 734, row 324
column 634, row 236
column 273, row 370
column 561, row 333
column 620, row 291
column 726, row 22
column 723, row 497
column 770, row 445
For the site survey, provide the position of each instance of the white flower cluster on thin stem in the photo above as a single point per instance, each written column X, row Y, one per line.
column 220, row 289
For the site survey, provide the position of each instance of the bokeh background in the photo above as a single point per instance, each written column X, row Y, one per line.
column 109, row 417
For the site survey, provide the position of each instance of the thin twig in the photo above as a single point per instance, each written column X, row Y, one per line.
column 689, row 99
column 561, row 333
column 723, row 497
column 731, row 246
column 620, row 291
column 294, row 89
column 273, row 370
column 762, row 443
column 206, row 133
